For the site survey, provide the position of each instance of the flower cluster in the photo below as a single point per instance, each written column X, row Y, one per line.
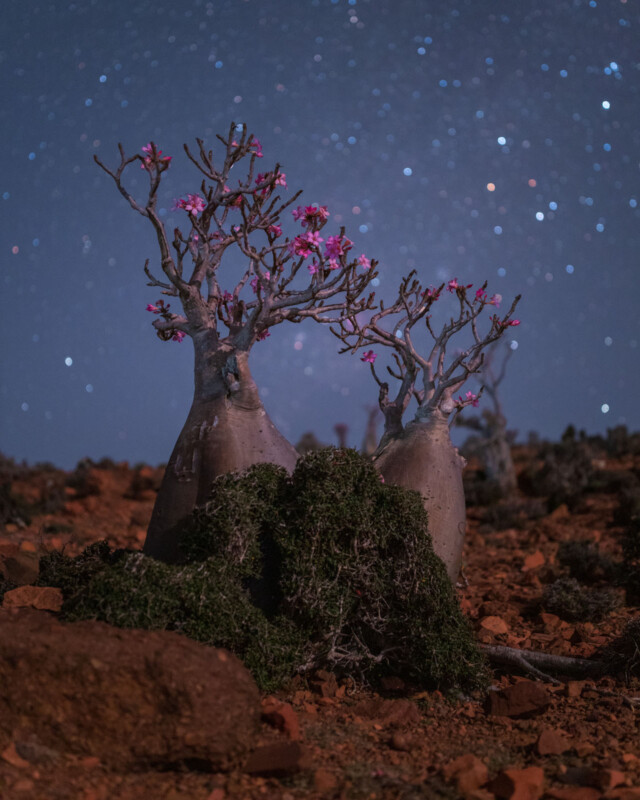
column 470, row 399
column 163, row 308
column 310, row 215
column 369, row 356
column 280, row 180
column 194, row 204
column 153, row 159
column 254, row 282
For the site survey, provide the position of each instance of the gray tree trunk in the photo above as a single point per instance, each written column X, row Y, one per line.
column 227, row 430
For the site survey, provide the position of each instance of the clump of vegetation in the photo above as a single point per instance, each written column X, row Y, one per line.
column 623, row 654
column 628, row 509
column 570, row 601
column 564, row 475
column 83, row 480
column 328, row 568
column 586, row 563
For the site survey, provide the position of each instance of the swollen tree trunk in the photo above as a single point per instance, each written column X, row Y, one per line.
column 497, row 458
column 227, row 430
column 422, row 457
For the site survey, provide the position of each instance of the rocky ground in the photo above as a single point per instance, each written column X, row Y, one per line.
column 528, row 738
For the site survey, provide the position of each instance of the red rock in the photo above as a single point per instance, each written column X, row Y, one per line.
column 324, row 781
column 402, row 742
column 523, row 699
column 606, row 779
column 468, row 771
column 281, row 716
column 624, row 793
column 395, row 713
column 494, row 624
column 133, row 698
column 10, row 755
column 519, row 784
column 20, row 568
column 45, row 598
column 552, row 742
column 533, row 561
column 276, row 760
column 323, row 683
column 572, row 793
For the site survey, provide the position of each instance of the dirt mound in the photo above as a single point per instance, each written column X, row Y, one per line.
column 133, row 698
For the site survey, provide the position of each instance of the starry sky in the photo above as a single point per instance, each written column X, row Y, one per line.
column 493, row 141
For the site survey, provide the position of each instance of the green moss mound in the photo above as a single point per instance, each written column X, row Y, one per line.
column 328, row 568
column 572, row 602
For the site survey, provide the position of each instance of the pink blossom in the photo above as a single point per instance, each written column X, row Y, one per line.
column 300, row 247
column 428, row 294
column 337, row 246
column 333, row 263
column 281, row 180
column 263, row 335
column 178, row 336
column 472, row 398
column 258, row 147
column 495, row 300
column 314, row 238
column 514, row 322
column 369, row 356
column 298, row 213
column 481, row 294
column 226, row 296
column 453, row 285
column 155, row 309
column 149, row 161
column 364, row 262
column 275, row 230
column 310, row 214
column 194, row 204
column 313, row 267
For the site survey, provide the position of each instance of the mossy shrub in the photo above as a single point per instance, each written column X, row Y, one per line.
column 358, row 572
column 345, row 563
column 585, row 562
column 570, row 601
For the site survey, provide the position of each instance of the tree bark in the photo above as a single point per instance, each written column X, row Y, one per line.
column 422, row 457
column 227, row 430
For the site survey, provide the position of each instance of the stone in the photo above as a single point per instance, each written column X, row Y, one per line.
column 44, row 598
column 519, row 784
column 324, row 781
column 281, row 716
column 551, row 742
column 573, row 793
column 20, row 568
column 533, row 561
column 468, row 772
column 494, row 625
column 277, row 760
column 394, row 713
column 133, row 698
column 323, row 683
column 523, row 699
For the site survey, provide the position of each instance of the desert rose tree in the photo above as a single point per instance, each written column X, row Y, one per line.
column 279, row 279
column 494, row 448
column 420, row 454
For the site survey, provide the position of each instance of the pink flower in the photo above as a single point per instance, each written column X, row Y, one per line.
column 194, row 204
column 226, row 296
column 481, row 294
column 263, row 335
column 313, row 238
column 258, row 147
column 364, row 262
column 155, row 309
column 275, row 230
column 313, row 267
column 453, row 285
column 298, row 213
column 178, row 336
column 300, row 247
column 473, row 399
column 369, row 356
column 334, row 263
column 310, row 214
column 337, row 246
column 281, row 180
column 514, row 322
column 495, row 300
column 150, row 160
column 428, row 294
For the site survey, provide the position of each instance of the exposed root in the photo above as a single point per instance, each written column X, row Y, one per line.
column 541, row 664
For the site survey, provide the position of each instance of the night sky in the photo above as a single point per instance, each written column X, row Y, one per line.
column 493, row 141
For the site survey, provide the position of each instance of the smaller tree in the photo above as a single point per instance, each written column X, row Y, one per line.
column 494, row 445
column 228, row 428
column 421, row 455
